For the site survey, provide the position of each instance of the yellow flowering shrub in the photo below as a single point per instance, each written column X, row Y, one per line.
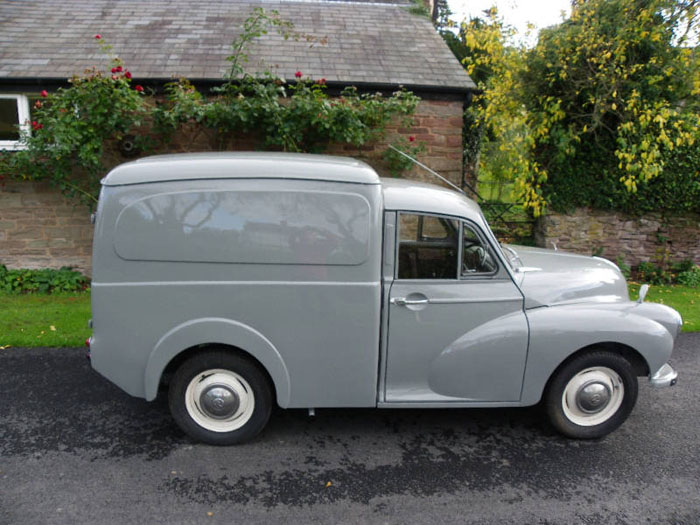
column 602, row 102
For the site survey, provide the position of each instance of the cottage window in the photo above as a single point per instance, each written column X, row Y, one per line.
column 14, row 117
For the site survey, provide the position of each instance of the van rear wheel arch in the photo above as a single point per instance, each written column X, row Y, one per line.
column 187, row 353
column 200, row 334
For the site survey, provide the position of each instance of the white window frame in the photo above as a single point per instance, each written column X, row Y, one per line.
column 24, row 116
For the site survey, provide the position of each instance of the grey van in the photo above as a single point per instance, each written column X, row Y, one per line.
column 242, row 280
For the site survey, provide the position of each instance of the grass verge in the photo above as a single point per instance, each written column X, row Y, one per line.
column 44, row 320
column 683, row 298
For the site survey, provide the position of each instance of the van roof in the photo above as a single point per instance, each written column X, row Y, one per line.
column 195, row 166
column 410, row 195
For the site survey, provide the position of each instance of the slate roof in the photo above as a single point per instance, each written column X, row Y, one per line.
column 354, row 42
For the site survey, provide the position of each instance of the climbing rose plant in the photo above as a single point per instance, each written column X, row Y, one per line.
column 72, row 127
column 298, row 117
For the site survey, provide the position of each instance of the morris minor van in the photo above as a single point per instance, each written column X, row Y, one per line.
column 238, row 281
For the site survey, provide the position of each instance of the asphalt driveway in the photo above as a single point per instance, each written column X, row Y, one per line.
column 75, row 449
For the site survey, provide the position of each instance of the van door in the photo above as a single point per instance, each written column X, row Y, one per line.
column 457, row 331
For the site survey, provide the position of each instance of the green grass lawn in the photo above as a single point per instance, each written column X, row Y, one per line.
column 683, row 298
column 44, row 320
column 61, row 319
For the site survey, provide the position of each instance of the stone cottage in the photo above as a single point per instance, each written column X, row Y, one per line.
column 373, row 45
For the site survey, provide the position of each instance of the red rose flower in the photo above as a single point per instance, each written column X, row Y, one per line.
column 127, row 74
column 114, row 70
column 44, row 93
column 37, row 104
column 411, row 138
column 138, row 88
column 98, row 36
column 322, row 82
column 297, row 74
column 36, row 125
column 119, row 69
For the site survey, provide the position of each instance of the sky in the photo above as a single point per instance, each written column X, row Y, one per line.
column 518, row 13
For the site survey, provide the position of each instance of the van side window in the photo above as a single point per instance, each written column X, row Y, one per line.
column 476, row 257
column 428, row 247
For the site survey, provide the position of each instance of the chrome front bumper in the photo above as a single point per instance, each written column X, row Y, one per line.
column 666, row 376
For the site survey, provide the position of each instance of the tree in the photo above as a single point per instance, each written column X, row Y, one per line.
column 597, row 109
column 612, row 94
column 497, row 63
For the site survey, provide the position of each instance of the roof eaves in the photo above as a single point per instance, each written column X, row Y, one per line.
column 31, row 83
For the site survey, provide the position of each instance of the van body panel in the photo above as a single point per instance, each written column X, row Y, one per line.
column 556, row 332
column 318, row 323
column 324, row 334
column 468, row 342
column 109, row 267
column 217, row 332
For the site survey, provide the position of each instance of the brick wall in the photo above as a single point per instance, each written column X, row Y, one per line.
column 41, row 229
column 438, row 125
column 635, row 239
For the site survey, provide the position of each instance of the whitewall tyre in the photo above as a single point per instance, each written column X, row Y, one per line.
column 220, row 397
column 591, row 395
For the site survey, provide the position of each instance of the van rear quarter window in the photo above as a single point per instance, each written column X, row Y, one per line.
column 263, row 227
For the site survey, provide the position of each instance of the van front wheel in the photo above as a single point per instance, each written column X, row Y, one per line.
column 591, row 395
column 220, row 398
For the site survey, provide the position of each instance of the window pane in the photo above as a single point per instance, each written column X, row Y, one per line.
column 475, row 256
column 428, row 247
column 433, row 228
column 262, row 227
column 9, row 119
column 409, row 227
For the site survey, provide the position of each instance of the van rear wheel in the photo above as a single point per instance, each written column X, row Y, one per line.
column 220, row 398
column 591, row 395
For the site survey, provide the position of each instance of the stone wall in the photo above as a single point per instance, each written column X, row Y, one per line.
column 41, row 229
column 612, row 235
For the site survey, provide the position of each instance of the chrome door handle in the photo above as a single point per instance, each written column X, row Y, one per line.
column 402, row 301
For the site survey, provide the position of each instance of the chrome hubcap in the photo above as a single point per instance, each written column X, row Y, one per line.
column 593, row 397
column 219, row 401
